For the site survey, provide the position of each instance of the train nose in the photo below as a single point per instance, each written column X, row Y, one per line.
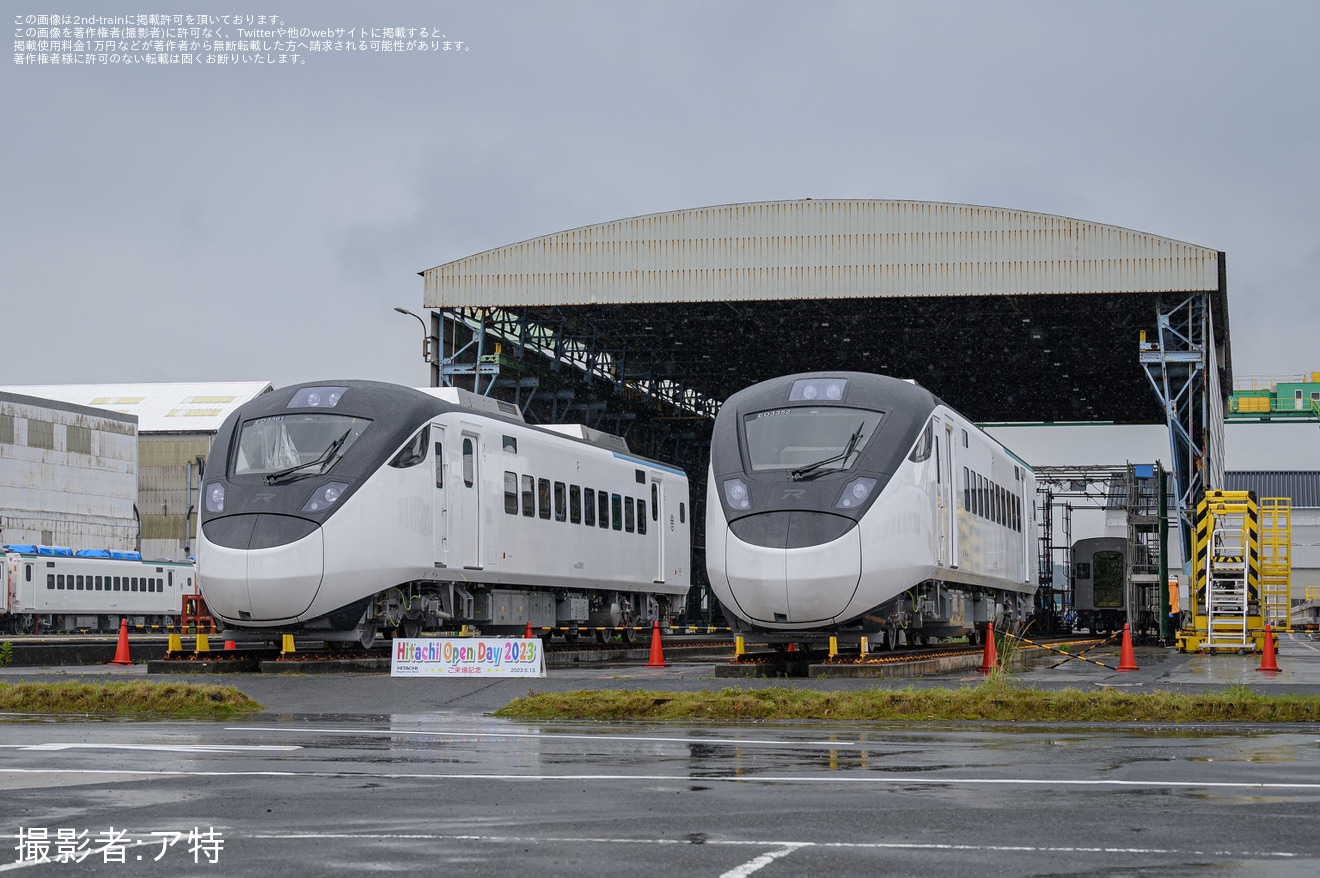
column 775, row 579
column 244, row 581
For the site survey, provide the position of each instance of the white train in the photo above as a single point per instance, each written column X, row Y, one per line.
column 53, row 589
column 850, row 503
column 338, row 510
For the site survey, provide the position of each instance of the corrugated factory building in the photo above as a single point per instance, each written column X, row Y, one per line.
column 177, row 423
column 1303, row 489
column 68, row 474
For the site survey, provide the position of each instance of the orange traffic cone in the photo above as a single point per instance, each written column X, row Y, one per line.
column 121, row 651
column 991, row 660
column 1126, row 660
column 528, row 634
column 1267, row 660
column 657, row 651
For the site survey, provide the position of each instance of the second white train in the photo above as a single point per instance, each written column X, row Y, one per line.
column 845, row 502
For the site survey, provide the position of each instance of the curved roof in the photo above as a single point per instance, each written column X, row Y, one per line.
column 822, row 249
column 1008, row 315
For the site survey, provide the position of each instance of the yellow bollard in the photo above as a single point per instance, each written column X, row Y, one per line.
column 287, row 648
column 175, row 645
column 865, row 647
column 203, row 644
column 739, row 645
column 834, row 646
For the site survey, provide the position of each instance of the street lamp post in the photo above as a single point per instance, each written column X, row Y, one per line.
column 428, row 349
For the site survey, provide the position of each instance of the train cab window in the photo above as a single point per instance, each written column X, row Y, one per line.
column 603, row 507
column 510, row 444
column 528, row 492
column 655, row 502
column 50, row 580
column 575, row 504
column 469, row 463
column 1107, row 588
column 543, row 497
column 629, row 521
column 641, row 515
column 440, row 467
column 511, row 493
column 616, row 510
column 412, row 453
column 682, row 514
column 561, row 502
column 921, row 451
column 589, row 507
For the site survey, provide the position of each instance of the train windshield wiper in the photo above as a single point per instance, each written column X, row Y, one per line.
column 803, row 472
column 323, row 461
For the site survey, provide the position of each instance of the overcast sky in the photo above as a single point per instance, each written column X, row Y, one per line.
column 172, row 223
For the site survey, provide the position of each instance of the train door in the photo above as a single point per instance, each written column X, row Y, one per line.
column 469, row 489
column 656, row 545
column 942, row 510
column 440, row 519
column 950, row 502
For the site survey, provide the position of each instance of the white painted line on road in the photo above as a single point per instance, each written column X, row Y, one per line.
column 161, row 748
column 759, row 863
column 388, row 733
column 786, row 846
column 818, row 779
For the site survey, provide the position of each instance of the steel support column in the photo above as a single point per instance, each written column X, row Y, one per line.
column 1183, row 367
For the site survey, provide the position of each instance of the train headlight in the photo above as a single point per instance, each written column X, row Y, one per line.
column 815, row 388
column 316, row 397
column 855, row 493
column 735, row 494
column 324, row 497
column 215, row 498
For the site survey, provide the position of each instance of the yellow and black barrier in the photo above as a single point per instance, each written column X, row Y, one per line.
column 1069, row 655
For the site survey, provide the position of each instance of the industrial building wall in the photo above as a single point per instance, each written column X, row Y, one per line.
column 168, row 484
column 68, row 475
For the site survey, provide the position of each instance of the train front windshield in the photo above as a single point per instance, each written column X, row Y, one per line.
column 272, row 444
column 801, row 437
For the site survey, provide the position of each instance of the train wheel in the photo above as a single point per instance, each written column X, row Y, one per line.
column 628, row 634
column 604, row 635
column 368, row 637
column 571, row 635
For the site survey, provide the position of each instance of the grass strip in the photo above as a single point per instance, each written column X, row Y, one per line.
column 137, row 698
column 991, row 701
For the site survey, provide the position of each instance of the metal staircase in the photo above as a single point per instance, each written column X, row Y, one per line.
column 1226, row 568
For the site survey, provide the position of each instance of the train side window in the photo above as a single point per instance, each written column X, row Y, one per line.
column 440, row 467
column 27, row 573
column 589, row 507
column 528, row 492
column 511, row 493
column 964, row 432
column 575, row 504
column 976, row 493
column 561, row 502
column 59, row 581
column 999, row 505
column 99, row 586
column 682, row 514
column 511, row 444
column 629, row 521
column 543, row 498
column 469, row 463
column 50, row 580
column 641, row 515
column 604, row 508
column 134, row 584
column 967, row 489
column 414, row 452
column 939, row 478
column 655, row 502
column 616, row 510
column 117, row 584
column 78, row 582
